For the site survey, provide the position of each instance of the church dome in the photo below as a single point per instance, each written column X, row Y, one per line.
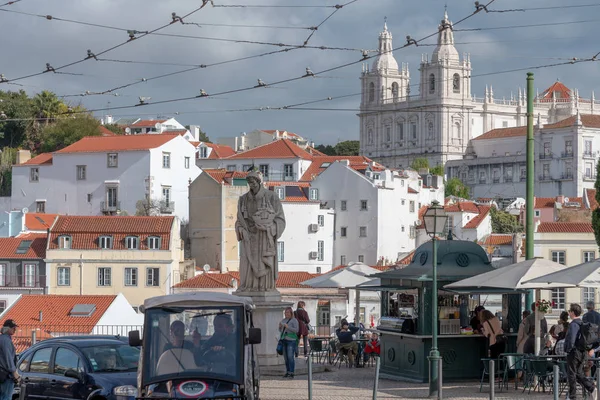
column 385, row 60
column 445, row 47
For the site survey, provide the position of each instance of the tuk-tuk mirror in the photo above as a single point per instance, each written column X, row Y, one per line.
column 254, row 335
column 134, row 339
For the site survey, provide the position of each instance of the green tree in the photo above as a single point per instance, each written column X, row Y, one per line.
column 67, row 131
column 455, row 187
column 114, row 128
column 18, row 109
column 419, row 163
column 326, row 149
column 503, row 222
column 7, row 158
column 47, row 106
column 596, row 212
column 347, row 148
column 437, row 170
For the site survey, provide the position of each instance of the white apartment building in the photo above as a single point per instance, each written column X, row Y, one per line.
column 306, row 244
column 108, row 175
column 437, row 122
column 259, row 137
column 376, row 211
column 566, row 156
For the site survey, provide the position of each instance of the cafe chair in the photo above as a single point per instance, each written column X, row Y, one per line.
column 540, row 369
column 513, row 364
column 317, row 351
column 498, row 372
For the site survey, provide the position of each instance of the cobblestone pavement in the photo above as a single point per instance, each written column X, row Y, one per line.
column 358, row 384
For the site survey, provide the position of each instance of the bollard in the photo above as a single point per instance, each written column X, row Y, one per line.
column 309, row 377
column 556, row 381
column 492, row 380
column 440, row 385
column 376, row 383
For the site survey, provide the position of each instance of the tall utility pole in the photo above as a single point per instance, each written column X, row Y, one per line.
column 530, row 181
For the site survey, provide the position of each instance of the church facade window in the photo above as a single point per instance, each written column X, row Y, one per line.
column 431, row 83
column 456, row 83
column 457, row 130
column 371, row 92
column 400, row 131
column 395, row 91
column 388, row 133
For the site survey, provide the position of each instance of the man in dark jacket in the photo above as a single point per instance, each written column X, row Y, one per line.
column 344, row 335
column 303, row 320
column 591, row 316
column 576, row 356
column 8, row 369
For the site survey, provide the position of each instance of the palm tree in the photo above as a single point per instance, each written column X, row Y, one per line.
column 47, row 106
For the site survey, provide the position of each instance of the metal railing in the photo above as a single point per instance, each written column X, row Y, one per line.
column 566, row 176
column 544, row 156
column 544, row 177
column 589, row 154
column 109, row 206
column 280, row 177
column 566, row 154
column 23, row 281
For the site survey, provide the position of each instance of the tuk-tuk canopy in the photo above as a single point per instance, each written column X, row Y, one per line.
column 198, row 299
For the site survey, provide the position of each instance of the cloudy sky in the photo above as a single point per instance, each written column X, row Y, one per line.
column 29, row 42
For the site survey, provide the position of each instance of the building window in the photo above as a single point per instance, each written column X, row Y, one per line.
column 152, row 277
column 3, row 308
column 321, row 220
column 81, row 171
column 320, row 250
column 588, row 169
column 371, row 92
column 343, row 231
column 402, row 228
column 395, row 91
column 558, row 298
column 112, row 198
column 231, row 167
column 166, row 196
column 318, row 272
column 413, row 130
column 362, row 232
column 40, row 207
column 589, row 256
column 203, row 152
column 559, row 257
column 264, row 170
column 313, row 194
column 343, row 205
column 288, row 172
column 64, row 276
column 589, row 294
column 587, row 148
column 34, row 174
column 166, row 160
column 64, row 242
column 186, row 162
column 403, row 202
column 431, row 83
column 456, row 83
column 112, row 160
column 104, row 276
column 413, row 232
column 280, row 191
column 388, row 133
column 361, row 258
column 2, row 274
column 153, row 242
column 400, row 127
column 568, row 147
column 537, row 213
column 411, row 206
column 364, row 205
column 131, row 276
column 280, row 251
column 105, row 242
column 30, row 275
column 132, row 242
column 342, row 260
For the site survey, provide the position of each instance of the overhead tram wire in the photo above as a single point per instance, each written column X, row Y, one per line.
column 132, row 38
column 544, row 8
column 492, row 28
column 409, row 42
column 337, row 8
column 9, row 3
column 269, row 6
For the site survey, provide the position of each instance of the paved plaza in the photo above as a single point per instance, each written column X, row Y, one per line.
column 347, row 383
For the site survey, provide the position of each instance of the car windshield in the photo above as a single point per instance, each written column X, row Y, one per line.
column 192, row 342
column 112, row 357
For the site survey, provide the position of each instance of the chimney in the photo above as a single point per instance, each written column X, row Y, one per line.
column 560, row 199
column 108, row 119
column 23, row 156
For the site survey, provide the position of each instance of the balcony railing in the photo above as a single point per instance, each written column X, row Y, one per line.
column 20, row 281
column 280, row 177
column 544, row 156
column 523, row 178
column 566, row 176
column 167, row 207
column 567, row 154
column 589, row 177
column 110, row 206
column 545, row 177
column 589, row 154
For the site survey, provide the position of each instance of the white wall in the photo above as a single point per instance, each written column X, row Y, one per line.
column 119, row 318
column 276, row 166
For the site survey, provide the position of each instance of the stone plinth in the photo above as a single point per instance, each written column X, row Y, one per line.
column 267, row 315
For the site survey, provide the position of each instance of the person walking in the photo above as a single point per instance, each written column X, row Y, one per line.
column 576, row 356
column 289, row 335
column 8, row 370
column 303, row 320
column 521, row 334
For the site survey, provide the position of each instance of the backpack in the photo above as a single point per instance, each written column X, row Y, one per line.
column 589, row 336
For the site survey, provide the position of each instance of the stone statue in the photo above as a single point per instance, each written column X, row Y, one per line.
column 260, row 222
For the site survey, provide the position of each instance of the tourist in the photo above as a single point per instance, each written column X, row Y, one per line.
column 303, row 323
column 576, row 356
column 7, row 360
column 289, row 335
column 492, row 329
column 521, row 336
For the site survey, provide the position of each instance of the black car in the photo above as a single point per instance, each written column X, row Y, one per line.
column 98, row 368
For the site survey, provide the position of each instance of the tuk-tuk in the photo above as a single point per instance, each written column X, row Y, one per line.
column 197, row 345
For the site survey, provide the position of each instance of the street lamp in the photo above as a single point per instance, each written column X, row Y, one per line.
column 435, row 221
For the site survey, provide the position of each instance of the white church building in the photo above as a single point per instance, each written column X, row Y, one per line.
column 439, row 120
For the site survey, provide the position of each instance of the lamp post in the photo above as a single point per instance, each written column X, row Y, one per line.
column 435, row 221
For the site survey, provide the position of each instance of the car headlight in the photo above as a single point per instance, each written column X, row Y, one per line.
column 126, row 391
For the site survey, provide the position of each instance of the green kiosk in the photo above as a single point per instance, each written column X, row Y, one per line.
column 406, row 322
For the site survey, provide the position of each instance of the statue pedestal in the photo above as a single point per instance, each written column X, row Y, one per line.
column 267, row 315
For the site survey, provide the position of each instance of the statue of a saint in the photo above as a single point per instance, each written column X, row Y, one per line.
column 260, row 222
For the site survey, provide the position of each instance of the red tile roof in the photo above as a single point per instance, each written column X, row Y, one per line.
column 22, row 338
column 316, row 166
column 497, row 239
column 282, row 148
column 99, row 144
column 37, row 249
column 314, row 151
column 148, row 123
column 407, row 259
column 565, row 227
column 224, row 176
column 411, row 190
column 41, row 159
column 285, row 279
column 562, row 92
column 476, row 221
column 422, row 211
column 591, row 198
column 544, row 202
column 55, row 312
column 219, row 151
column 106, row 132
column 500, row 133
column 464, row 206
column 38, row 221
column 588, row 121
column 85, row 231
